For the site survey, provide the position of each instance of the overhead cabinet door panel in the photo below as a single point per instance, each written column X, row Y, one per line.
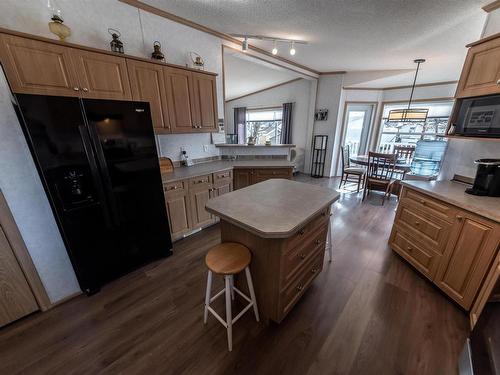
column 102, row 76
column 205, row 94
column 178, row 85
column 35, row 67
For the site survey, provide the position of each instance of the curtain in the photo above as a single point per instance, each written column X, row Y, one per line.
column 240, row 119
column 286, row 125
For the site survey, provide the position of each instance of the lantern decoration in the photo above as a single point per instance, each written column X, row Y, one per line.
column 197, row 61
column 116, row 44
column 157, row 54
column 56, row 26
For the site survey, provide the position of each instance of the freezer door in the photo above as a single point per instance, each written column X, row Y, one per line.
column 124, row 142
column 60, row 145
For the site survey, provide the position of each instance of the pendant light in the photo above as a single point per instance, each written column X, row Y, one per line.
column 409, row 114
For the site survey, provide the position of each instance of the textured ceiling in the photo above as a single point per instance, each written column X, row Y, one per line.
column 244, row 74
column 351, row 34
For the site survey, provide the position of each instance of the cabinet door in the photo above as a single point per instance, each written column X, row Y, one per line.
column 481, row 71
column 205, row 101
column 198, row 199
column 146, row 83
column 102, row 76
column 34, row 67
column 178, row 209
column 469, row 253
column 242, row 178
column 16, row 300
column 178, row 86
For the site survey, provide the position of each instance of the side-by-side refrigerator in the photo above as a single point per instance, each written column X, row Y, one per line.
column 98, row 163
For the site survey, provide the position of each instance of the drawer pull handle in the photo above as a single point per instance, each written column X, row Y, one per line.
column 301, row 232
column 300, row 288
column 302, row 256
column 460, row 218
column 417, row 223
column 85, row 89
column 314, row 270
column 409, row 248
column 318, row 242
column 76, row 88
column 422, row 201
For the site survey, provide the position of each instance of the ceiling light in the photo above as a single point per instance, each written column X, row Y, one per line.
column 292, row 48
column 409, row 114
column 244, row 46
column 275, row 48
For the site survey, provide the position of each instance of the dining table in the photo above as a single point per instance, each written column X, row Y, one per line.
column 401, row 165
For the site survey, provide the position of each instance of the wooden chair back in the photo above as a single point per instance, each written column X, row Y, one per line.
column 346, row 163
column 381, row 166
column 404, row 152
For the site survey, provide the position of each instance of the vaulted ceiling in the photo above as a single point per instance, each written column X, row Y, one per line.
column 352, row 35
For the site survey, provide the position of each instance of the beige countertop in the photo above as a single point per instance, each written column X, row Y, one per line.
column 274, row 208
column 250, row 146
column 454, row 193
column 182, row 173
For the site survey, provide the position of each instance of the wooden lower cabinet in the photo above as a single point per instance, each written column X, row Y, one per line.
column 200, row 191
column 244, row 177
column 452, row 247
column 178, row 208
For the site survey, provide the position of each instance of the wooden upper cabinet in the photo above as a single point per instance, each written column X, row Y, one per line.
column 147, row 84
column 178, row 86
column 481, row 71
column 205, row 101
column 468, row 256
column 34, row 67
column 101, row 76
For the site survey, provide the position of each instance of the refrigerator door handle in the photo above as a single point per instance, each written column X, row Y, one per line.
column 95, row 173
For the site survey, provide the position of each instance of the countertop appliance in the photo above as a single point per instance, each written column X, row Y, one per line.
column 479, row 117
column 487, row 180
column 98, row 163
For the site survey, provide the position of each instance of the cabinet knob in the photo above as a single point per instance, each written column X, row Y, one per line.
column 422, row 201
column 417, row 223
column 300, row 288
column 314, row 270
column 460, row 218
column 409, row 248
column 76, row 88
column 85, row 89
column 301, row 232
column 318, row 242
column 302, row 256
column 498, row 82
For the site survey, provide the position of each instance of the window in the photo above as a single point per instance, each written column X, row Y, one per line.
column 264, row 125
column 401, row 133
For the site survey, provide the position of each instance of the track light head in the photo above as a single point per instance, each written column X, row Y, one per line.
column 244, row 46
column 292, row 48
column 275, row 48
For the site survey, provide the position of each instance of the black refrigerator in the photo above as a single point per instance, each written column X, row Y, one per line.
column 98, row 163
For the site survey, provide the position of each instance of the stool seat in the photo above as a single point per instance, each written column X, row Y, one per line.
column 228, row 258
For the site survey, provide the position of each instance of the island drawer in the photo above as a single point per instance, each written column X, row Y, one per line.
column 309, row 229
column 223, row 178
column 428, row 204
column 294, row 259
column 200, row 181
column 423, row 259
column 177, row 186
column 298, row 286
column 432, row 231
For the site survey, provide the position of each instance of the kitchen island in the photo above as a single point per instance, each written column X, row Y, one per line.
column 284, row 224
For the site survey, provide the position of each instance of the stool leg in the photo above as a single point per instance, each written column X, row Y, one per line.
column 207, row 296
column 232, row 287
column 229, row 317
column 252, row 293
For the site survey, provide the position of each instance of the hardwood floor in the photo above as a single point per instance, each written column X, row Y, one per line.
column 368, row 312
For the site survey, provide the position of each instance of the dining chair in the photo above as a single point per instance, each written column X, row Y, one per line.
column 350, row 174
column 379, row 174
column 404, row 154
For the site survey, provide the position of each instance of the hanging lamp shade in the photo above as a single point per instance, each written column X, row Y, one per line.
column 409, row 114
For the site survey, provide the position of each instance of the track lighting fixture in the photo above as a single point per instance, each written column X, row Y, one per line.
column 274, row 51
column 244, row 46
column 292, row 48
column 275, row 48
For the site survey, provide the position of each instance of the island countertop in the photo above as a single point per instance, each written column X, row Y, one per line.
column 454, row 193
column 275, row 208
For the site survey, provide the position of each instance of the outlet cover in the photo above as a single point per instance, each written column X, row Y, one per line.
column 205, row 148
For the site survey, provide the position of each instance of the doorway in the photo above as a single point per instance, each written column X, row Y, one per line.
column 357, row 120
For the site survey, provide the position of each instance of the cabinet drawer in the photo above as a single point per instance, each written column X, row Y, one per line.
column 222, row 178
column 294, row 259
column 298, row 286
column 174, row 187
column 273, row 172
column 308, row 229
column 425, row 260
column 201, row 181
column 432, row 231
column 429, row 205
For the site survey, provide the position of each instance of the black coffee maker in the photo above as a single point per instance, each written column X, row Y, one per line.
column 487, row 181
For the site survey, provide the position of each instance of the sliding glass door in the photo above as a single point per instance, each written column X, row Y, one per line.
column 357, row 120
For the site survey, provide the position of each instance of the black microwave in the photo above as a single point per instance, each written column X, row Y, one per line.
column 479, row 117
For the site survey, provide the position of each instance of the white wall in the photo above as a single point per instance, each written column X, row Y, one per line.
column 26, row 198
column 89, row 21
column 297, row 92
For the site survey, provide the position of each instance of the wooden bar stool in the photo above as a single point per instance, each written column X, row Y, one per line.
column 229, row 259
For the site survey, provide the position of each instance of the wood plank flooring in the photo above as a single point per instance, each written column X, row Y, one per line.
column 368, row 312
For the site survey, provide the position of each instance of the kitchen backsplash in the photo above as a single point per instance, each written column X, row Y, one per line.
column 197, row 146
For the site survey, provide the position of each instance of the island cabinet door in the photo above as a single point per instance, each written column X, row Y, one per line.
column 200, row 190
column 467, row 258
column 178, row 209
column 101, row 76
column 481, row 71
column 264, row 174
column 147, row 84
column 34, row 67
column 242, row 178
